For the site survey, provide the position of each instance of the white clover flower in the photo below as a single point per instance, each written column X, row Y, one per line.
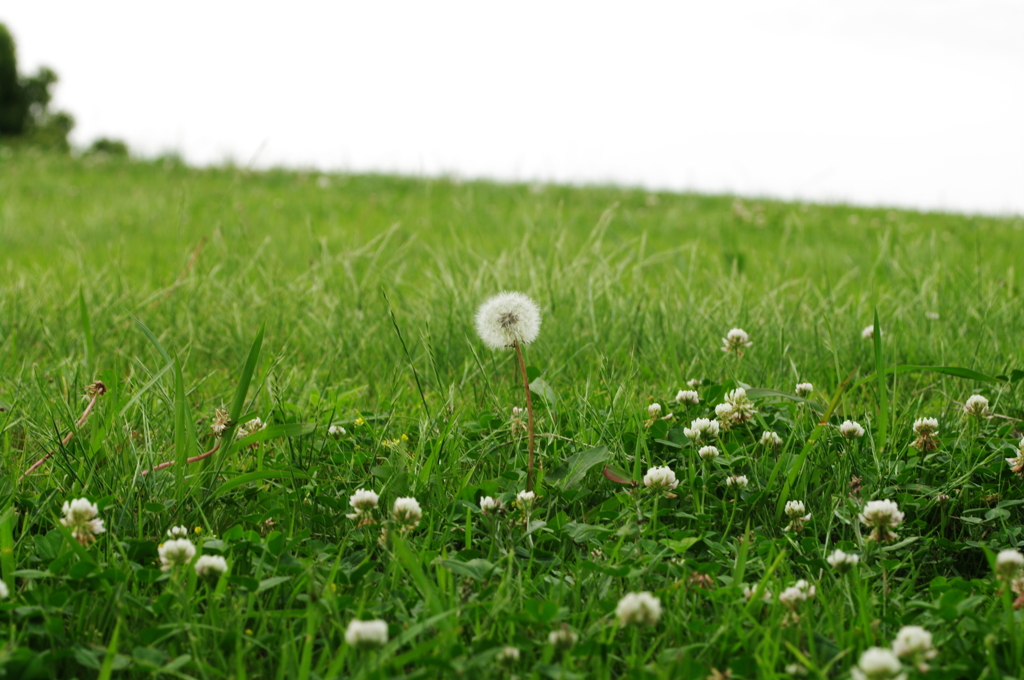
column 878, row 664
column 489, row 504
column 254, row 425
column 177, row 532
column 925, row 427
column 842, row 561
column 708, row 453
column 4, row 591
column 526, row 499
column 406, row 512
column 976, row 406
column 176, row 552
column 735, row 341
column 796, row 670
column 771, row 439
column 221, row 420
column 364, row 502
column 366, row 634
column 738, row 482
column 654, row 410
column 796, row 593
column 868, row 333
column 687, row 397
column 913, row 641
column 563, row 638
column 1009, row 563
column 882, row 517
column 851, row 430
column 804, row 389
column 507, row 656
column 694, row 383
column 1017, row 464
column 638, row 609
column 211, row 566
column 701, row 428
column 508, row 319
column 740, row 407
column 724, row 412
column 517, row 412
column 749, row 590
column 336, row 431
column 81, row 517
column 660, row 479
column 931, row 316
column 795, row 509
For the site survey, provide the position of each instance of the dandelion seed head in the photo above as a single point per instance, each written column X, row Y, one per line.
column 638, row 609
column 508, row 318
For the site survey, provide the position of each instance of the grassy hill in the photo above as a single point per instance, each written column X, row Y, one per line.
column 367, row 286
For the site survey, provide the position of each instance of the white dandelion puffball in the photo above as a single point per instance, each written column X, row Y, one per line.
column 638, row 609
column 851, row 430
column 842, row 561
column 4, row 592
column 176, row 553
column 363, row 502
column 924, row 427
column 913, row 641
column 687, row 397
column 735, row 341
column 81, row 517
column 660, row 479
column 211, row 566
column 507, row 319
column 1009, row 563
column 771, row 439
column 525, row 499
column 407, row 512
column 654, row 410
column 738, row 482
column 701, row 428
column 708, row 453
column 795, row 509
column 367, row 634
column 562, row 638
column 868, row 333
column 878, row 664
column 177, row 532
column 976, row 406
column 804, row 389
column 336, row 431
column 489, row 504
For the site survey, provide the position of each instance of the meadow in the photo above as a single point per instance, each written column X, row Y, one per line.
column 339, row 311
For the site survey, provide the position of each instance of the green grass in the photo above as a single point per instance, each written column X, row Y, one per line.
column 365, row 288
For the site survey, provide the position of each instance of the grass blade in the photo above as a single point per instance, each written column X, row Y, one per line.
column 883, row 395
column 90, row 345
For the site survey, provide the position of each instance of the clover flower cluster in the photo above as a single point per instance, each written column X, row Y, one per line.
column 702, row 429
column 81, row 517
column 882, row 517
column 660, row 479
column 797, row 513
column 735, row 341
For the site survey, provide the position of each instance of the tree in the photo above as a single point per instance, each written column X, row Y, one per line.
column 25, row 102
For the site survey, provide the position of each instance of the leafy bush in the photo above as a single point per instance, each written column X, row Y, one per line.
column 24, row 103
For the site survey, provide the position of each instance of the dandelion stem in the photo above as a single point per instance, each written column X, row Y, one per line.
column 529, row 417
column 67, row 438
column 193, row 459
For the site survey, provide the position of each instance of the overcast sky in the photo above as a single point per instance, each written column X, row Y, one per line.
column 915, row 103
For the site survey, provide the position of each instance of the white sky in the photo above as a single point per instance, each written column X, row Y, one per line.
column 915, row 103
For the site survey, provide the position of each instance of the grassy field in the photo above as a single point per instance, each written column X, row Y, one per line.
column 313, row 301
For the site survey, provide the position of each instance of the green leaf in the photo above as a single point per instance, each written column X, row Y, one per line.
column 152, row 338
column 680, row 545
column 275, row 432
column 477, row 569
column 617, row 475
column 256, row 476
column 762, row 393
column 238, row 403
column 268, row 583
column 542, row 389
column 412, row 565
column 576, row 467
column 90, row 345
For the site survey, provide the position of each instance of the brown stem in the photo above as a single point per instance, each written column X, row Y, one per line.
column 67, row 437
column 529, row 418
column 193, row 459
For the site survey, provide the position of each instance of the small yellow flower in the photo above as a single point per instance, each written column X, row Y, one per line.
column 248, row 631
column 360, row 421
column 199, row 530
column 405, row 437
